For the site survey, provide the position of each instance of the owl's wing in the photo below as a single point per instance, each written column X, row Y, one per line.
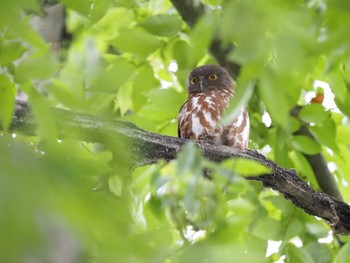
column 236, row 134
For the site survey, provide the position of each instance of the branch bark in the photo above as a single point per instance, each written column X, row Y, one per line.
column 147, row 148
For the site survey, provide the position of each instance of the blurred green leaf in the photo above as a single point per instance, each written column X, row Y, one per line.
column 319, row 252
column 315, row 228
column 343, row 102
column 99, row 9
column 124, row 101
column 162, row 25
column 42, row 113
column 294, row 228
column 83, row 8
column 36, row 68
column 325, row 134
column 10, row 51
column 241, row 98
column 165, row 108
column 263, row 225
column 7, row 99
column 303, row 166
column 282, row 147
column 137, row 41
column 296, row 255
column 189, row 159
column 115, row 185
column 202, row 34
column 274, row 98
column 343, row 133
column 313, row 113
column 305, row 144
column 337, row 83
column 142, row 83
column 115, row 21
column 10, row 11
column 246, row 167
column 343, row 254
column 114, row 77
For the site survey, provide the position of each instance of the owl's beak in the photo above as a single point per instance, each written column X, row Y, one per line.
column 201, row 83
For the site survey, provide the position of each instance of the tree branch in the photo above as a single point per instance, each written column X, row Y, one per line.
column 148, row 148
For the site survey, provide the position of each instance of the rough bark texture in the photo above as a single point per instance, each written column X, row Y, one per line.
column 147, row 148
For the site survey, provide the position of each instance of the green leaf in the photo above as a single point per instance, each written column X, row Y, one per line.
column 343, row 134
column 162, row 25
column 282, row 146
column 165, row 109
column 343, row 104
column 137, row 41
column 336, row 81
column 268, row 225
column 303, row 166
column 182, row 53
column 202, row 34
column 115, row 185
column 319, row 252
column 115, row 76
column 42, row 112
column 294, row 228
column 12, row 11
column 298, row 255
column 325, row 134
column 36, row 68
column 305, row 144
column 241, row 98
column 99, row 9
column 313, row 113
column 82, row 7
column 143, row 83
column 343, row 254
column 315, row 228
column 124, row 102
column 274, row 98
column 7, row 99
column 245, row 167
column 116, row 20
column 62, row 93
column 189, row 159
column 10, row 51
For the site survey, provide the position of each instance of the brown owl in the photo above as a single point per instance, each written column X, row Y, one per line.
column 209, row 91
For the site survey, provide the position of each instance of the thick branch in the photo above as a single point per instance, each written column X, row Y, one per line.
column 147, row 148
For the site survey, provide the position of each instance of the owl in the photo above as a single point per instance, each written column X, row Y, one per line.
column 209, row 91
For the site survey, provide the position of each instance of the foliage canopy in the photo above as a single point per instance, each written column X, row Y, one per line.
column 62, row 200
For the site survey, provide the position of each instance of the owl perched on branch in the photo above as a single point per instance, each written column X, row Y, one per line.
column 209, row 92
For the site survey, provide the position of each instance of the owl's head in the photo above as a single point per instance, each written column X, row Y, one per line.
column 208, row 77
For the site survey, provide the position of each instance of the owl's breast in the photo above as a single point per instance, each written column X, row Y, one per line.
column 200, row 116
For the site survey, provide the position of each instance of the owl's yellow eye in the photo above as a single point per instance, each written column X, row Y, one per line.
column 212, row 77
column 193, row 81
